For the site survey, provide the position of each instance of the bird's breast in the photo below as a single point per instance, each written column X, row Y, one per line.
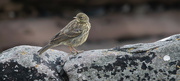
column 79, row 40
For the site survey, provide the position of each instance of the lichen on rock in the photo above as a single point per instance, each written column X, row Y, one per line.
column 22, row 63
column 157, row 61
column 136, row 62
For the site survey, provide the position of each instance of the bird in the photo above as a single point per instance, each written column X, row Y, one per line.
column 74, row 34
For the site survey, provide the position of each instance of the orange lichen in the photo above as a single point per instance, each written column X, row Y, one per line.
column 52, row 50
column 178, row 66
column 130, row 49
column 36, row 65
column 23, row 52
column 178, row 39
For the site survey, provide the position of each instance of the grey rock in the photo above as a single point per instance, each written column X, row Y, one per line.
column 158, row 61
column 22, row 63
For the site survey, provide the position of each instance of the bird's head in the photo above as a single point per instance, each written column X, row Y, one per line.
column 82, row 17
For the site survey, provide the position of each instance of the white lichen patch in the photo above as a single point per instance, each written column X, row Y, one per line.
column 16, row 66
column 15, row 70
column 166, row 58
column 44, row 69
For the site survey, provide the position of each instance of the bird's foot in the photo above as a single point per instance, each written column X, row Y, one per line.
column 81, row 51
column 76, row 52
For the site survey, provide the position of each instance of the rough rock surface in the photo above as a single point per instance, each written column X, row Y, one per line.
column 158, row 61
column 22, row 63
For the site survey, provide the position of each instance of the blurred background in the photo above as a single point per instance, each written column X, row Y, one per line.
column 114, row 22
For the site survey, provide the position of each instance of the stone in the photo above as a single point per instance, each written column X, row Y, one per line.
column 22, row 63
column 158, row 61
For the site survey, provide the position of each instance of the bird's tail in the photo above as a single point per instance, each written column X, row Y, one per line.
column 43, row 49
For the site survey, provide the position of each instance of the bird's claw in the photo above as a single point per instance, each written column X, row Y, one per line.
column 76, row 52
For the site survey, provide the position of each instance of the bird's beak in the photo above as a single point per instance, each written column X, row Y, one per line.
column 75, row 17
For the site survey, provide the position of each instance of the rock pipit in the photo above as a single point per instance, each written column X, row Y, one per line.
column 73, row 34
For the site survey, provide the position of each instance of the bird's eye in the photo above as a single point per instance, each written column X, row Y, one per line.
column 80, row 17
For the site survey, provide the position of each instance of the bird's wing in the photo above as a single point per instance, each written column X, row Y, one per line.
column 70, row 32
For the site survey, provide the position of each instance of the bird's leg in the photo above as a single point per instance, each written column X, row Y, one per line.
column 70, row 48
column 75, row 50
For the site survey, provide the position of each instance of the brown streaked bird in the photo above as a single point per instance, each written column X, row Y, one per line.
column 74, row 34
